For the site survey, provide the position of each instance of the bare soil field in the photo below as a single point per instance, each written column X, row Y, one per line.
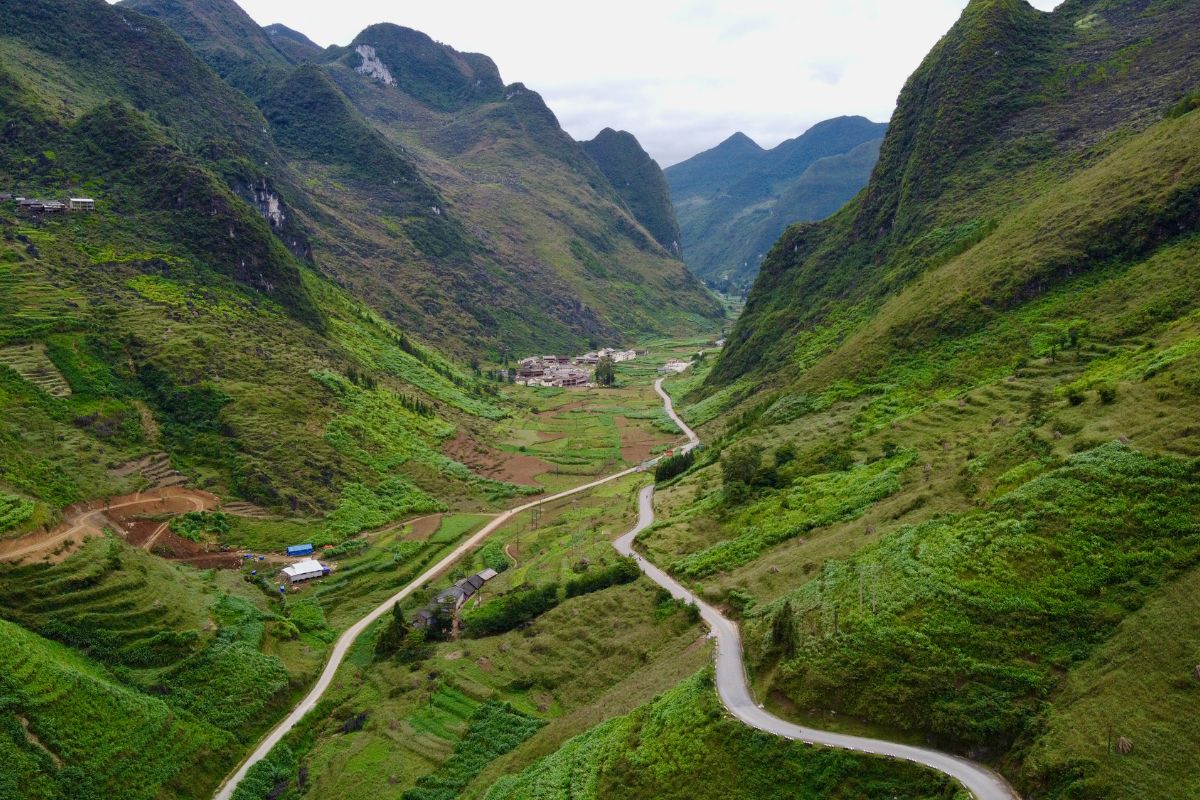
column 87, row 520
column 496, row 464
column 424, row 527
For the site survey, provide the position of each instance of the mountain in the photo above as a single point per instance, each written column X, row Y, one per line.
column 949, row 408
column 450, row 201
column 639, row 181
column 735, row 200
column 293, row 44
column 724, row 165
column 224, row 36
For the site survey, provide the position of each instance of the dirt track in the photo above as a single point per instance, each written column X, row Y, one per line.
column 87, row 520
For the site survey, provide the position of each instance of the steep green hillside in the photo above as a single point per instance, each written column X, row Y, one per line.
column 639, row 181
column 175, row 318
column 977, row 143
column 734, row 201
column 503, row 238
column 955, row 456
column 293, row 44
column 155, row 682
column 223, row 35
column 683, row 746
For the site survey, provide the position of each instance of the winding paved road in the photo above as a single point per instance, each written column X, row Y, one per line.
column 347, row 639
column 734, row 689
column 730, row 670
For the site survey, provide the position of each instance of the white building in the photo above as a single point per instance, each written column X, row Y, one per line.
column 304, row 570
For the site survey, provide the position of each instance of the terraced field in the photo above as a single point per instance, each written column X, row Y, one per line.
column 31, row 363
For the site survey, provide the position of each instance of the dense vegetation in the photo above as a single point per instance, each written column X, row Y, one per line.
column 355, row 202
column 674, row 466
column 495, row 729
column 683, row 746
column 735, row 200
column 1000, row 600
column 157, row 660
column 640, row 183
column 956, row 487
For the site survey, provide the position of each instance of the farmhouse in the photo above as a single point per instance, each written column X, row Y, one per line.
column 82, row 204
column 457, row 595
column 40, row 206
column 304, row 570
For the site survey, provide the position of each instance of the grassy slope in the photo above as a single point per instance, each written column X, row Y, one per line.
column 1005, row 301
column 639, row 181
column 1141, row 684
column 683, row 746
column 150, row 659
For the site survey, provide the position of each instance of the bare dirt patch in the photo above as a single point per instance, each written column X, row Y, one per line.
column 515, row 468
column 86, row 520
column 424, row 527
column 637, row 444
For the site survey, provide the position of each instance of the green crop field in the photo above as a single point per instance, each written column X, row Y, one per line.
column 683, row 746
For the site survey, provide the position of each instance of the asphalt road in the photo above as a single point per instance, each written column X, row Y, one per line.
column 730, row 670
column 347, row 639
column 734, row 689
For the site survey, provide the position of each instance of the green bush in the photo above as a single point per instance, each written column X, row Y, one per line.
column 361, row 508
column 674, row 466
column 14, row 511
column 626, row 570
column 195, row 525
column 510, row 610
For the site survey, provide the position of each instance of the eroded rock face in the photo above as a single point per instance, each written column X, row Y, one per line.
column 372, row 66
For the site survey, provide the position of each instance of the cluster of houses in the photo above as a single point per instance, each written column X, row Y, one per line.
column 450, row 601
column 26, row 205
column 566, row 370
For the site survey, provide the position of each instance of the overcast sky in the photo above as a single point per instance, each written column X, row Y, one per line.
column 682, row 75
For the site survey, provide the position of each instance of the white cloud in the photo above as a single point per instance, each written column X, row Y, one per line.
column 682, row 75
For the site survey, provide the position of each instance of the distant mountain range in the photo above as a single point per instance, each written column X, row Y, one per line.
column 452, row 201
column 735, row 200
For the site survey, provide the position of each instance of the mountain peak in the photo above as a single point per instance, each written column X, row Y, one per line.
column 219, row 30
column 430, row 71
column 739, row 141
column 292, row 43
column 639, row 181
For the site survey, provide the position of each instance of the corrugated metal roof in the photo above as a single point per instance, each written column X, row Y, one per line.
column 309, row 566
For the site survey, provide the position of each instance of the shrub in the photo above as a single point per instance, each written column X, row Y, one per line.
column 741, row 464
column 674, row 466
column 495, row 729
column 1107, row 393
column 626, row 570
column 194, row 525
column 510, row 611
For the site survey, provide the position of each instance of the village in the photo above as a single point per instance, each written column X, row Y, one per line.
column 27, row 205
column 567, row 371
